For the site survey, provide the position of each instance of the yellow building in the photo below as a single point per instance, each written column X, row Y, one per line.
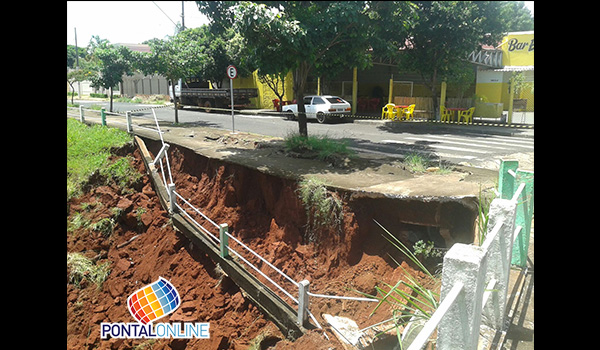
column 517, row 67
column 265, row 94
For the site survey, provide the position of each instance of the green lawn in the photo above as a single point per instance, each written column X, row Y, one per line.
column 88, row 150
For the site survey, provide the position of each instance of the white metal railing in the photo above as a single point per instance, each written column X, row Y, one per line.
column 475, row 279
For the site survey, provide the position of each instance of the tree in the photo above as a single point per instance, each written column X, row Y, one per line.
column 111, row 63
column 72, row 55
column 176, row 57
column 274, row 81
column 518, row 16
column 444, row 34
column 74, row 76
column 220, row 49
column 302, row 36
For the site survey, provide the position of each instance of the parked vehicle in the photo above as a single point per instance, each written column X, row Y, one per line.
column 195, row 92
column 323, row 108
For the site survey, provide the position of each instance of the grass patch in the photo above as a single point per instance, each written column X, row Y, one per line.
column 88, row 152
column 323, row 208
column 320, row 147
column 81, row 268
column 417, row 163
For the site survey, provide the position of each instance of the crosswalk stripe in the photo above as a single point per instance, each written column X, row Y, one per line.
column 493, row 140
column 469, row 150
column 404, row 152
column 459, row 143
column 513, row 143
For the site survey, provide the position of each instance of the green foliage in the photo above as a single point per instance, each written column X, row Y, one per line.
column 81, row 268
column 308, row 36
column 411, row 298
column 321, row 147
column 442, row 34
column 104, row 226
column 415, row 163
column 72, row 55
column 483, row 209
column 323, row 208
column 88, row 151
column 418, row 163
column 427, row 250
column 111, row 63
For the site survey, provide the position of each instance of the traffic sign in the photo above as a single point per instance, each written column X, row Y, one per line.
column 231, row 72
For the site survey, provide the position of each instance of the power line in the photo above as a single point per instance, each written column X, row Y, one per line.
column 165, row 14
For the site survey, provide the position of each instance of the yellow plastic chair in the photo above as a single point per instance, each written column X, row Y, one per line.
column 467, row 115
column 408, row 112
column 388, row 111
column 446, row 114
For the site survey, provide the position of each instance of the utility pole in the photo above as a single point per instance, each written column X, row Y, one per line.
column 182, row 18
column 77, row 64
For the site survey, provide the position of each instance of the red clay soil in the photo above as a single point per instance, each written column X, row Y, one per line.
column 265, row 213
column 157, row 251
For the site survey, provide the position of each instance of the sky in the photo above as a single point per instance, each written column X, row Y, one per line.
column 127, row 21
column 133, row 21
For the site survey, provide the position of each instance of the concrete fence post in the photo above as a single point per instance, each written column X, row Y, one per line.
column 172, row 197
column 224, row 240
column 459, row 328
column 81, row 118
column 499, row 252
column 303, row 288
column 128, row 119
column 103, row 116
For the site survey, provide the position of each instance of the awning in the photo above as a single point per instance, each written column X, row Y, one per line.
column 511, row 69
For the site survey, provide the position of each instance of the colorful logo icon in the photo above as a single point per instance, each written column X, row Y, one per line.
column 153, row 301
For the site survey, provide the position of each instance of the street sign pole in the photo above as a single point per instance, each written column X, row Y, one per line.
column 232, row 74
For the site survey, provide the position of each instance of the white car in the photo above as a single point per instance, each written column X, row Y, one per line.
column 322, row 108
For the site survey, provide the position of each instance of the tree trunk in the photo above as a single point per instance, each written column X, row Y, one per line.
column 300, row 75
column 111, row 100
column 72, row 92
column 174, row 101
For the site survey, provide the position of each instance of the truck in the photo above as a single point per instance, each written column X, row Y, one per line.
column 196, row 92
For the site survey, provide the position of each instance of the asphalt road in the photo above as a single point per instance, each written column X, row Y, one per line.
column 467, row 144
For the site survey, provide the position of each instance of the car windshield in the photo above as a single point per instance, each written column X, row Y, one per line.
column 335, row 99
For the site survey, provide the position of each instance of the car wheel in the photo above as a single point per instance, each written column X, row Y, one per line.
column 207, row 106
column 289, row 115
column 322, row 118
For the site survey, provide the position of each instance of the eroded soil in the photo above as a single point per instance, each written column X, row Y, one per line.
column 265, row 213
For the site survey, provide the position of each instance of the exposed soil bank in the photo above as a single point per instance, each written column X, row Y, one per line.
column 264, row 211
column 156, row 250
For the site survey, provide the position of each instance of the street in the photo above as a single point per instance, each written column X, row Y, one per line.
column 473, row 145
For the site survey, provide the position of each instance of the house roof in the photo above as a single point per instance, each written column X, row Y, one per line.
column 136, row 47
